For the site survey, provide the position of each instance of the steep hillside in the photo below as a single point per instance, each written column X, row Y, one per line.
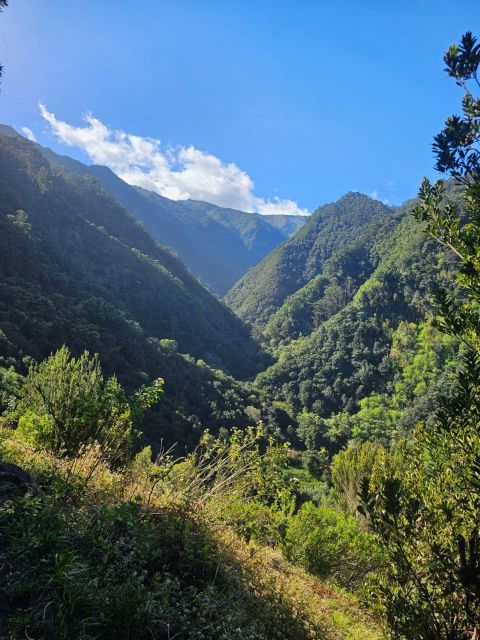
column 330, row 291
column 75, row 268
column 294, row 263
column 346, row 356
column 218, row 245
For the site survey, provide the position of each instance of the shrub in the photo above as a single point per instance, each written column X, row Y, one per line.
column 65, row 404
column 329, row 543
column 348, row 470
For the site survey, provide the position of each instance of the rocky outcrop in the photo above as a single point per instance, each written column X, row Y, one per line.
column 14, row 482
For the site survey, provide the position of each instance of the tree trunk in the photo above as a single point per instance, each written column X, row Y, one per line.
column 476, row 634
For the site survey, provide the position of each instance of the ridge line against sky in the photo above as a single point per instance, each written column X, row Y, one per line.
column 175, row 172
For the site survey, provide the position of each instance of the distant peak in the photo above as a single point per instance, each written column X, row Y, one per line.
column 7, row 130
column 357, row 195
column 357, row 198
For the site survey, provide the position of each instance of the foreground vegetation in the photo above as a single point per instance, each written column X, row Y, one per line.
column 101, row 543
column 235, row 533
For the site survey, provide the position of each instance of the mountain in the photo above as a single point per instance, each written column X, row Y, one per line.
column 356, row 358
column 332, row 289
column 362, row 359
column 218, row 245
column 287, row 224
column 290, row 266
column 76, row 268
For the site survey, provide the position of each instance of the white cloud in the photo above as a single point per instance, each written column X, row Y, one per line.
column 28, row 133
column 178, row 173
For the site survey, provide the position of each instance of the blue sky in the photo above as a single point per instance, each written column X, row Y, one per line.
column 257, row 104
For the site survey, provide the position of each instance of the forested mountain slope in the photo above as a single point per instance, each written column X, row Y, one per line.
column 345, row 356
column 356, row 357
column 75, row 268
column 333, row 288
column 293, row 264
column 217, row 244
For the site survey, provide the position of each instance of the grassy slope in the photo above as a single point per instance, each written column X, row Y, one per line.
column 156, row 549
column 338, row 612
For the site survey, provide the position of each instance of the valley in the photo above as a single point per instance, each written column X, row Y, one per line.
column 326, row 343
column 228, row 414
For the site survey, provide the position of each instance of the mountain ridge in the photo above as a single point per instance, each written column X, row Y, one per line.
column 76, row 268
column 217, row 244
column 263, row 289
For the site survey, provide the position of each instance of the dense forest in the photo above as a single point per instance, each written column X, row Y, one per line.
column 265, row 287
column 298, row 460
column 339, row 338
column 77, row 269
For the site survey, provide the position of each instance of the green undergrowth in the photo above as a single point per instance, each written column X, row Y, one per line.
column 159, row 550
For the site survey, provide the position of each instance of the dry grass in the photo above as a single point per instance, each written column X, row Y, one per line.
column 326, row 612
column 333, row 614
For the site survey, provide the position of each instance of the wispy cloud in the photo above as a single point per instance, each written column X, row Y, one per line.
column 28, row 133
column 375, row 196
column 178, row 173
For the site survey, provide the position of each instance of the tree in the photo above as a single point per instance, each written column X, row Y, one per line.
column 427, row 516
column 10, row 383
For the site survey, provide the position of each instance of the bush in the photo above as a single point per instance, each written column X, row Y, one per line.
column 329, row 543
column 65, row 405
